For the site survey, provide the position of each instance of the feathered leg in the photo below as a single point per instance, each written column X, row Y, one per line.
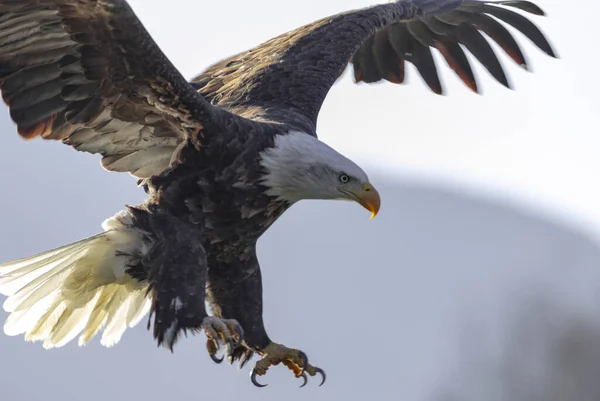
column 175, row 268
column 235, row 292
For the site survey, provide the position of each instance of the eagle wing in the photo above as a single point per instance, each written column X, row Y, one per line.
column 383, row 55
column 87, row 72
column 298, row 68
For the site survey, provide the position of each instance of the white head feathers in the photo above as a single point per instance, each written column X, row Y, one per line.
column 299, row 166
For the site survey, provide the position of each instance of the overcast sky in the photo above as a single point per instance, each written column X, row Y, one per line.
column 430, row 262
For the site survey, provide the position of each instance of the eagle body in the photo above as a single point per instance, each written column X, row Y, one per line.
column 199, row 202
column 220, row 187
column 221, row 156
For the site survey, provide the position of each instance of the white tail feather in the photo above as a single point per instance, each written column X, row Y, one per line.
column 78, row 288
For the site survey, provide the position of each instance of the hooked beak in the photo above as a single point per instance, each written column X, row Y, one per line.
column 367, row 197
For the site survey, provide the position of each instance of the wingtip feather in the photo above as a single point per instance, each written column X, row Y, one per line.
column 525, row 5
column 42, row 129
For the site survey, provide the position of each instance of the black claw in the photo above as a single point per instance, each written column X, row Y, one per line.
column 304, row 360
column 305, row 380
column 215, row 358
column 322, row 373
column 254, row 381
column 230, row 346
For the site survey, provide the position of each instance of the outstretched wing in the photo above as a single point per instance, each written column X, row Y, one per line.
column 87, row 72
column 298, row 68
column 383, row 55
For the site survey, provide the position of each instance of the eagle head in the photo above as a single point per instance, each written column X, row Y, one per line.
column 299, row 166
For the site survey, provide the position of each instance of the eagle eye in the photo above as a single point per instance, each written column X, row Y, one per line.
column 344, row 178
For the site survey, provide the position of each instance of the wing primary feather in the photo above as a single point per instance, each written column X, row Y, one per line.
column 28, row 97
column 444, row 39
column 390, row 65
column 458, row 61
column 26, row 78
column 523, row 5
column 519, row 22
column 474, row 41
column 365, row 64
column 501, row 36
column 37, row 119
column 423, row 60
column 423, row 39
column 400, row 41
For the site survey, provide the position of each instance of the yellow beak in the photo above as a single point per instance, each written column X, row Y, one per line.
column 369, row 199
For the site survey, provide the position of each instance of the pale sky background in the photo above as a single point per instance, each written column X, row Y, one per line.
column 478, row 213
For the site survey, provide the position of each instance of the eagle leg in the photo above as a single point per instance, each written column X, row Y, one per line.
column 221, row 331
column 294, row 359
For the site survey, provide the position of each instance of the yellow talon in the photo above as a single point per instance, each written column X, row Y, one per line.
column 294, row 359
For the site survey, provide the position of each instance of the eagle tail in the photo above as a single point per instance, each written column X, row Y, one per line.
column 78, row 288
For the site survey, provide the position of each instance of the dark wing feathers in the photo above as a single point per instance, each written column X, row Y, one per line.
column 378, row 41
column 463, row 27
column 390, row 65
column 86, row 72
column 420, row 38
column 518, row 21
column 457, row 60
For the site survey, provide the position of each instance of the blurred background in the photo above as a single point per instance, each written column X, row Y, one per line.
column 479, row 279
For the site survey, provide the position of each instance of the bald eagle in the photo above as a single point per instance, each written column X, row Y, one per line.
column 220, row 158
